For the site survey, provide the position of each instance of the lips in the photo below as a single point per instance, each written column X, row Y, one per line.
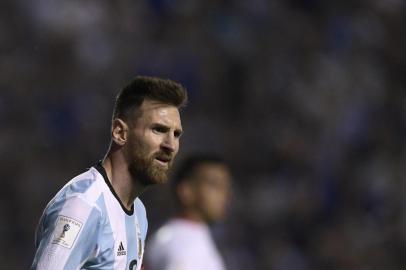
column 163, row 159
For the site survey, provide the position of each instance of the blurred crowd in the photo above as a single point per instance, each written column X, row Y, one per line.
column 305, row 98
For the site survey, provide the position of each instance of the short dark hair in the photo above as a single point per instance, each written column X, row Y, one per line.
column 189, row 165
column 144, row 87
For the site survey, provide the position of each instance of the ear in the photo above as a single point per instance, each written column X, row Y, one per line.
column 119, row 131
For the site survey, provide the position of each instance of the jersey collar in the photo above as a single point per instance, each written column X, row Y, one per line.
column 99, row 167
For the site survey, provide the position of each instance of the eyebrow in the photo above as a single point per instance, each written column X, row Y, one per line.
column 166, row 128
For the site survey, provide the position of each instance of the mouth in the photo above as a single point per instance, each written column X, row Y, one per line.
column 163, row 160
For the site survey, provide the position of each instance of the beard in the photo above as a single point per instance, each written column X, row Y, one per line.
column 145, row 170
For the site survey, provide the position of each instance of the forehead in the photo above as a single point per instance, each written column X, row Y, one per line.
column 154, row 111
column 213, row 172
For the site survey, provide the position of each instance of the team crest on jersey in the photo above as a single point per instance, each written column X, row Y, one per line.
column 66, row 231
column 121, row 250
column 139, row 248
column 139, row 241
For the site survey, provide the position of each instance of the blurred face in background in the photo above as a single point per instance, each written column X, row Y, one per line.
column 208, row 191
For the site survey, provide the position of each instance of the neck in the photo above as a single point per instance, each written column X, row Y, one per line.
column 127, row 188
column 192, row 216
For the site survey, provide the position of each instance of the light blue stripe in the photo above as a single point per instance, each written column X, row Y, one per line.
column 79, row 186
column 105, row 241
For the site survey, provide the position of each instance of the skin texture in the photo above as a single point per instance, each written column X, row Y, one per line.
column 143, row 148
column 205, row 197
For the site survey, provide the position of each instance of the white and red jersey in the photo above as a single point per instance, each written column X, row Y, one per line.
column 182, row 244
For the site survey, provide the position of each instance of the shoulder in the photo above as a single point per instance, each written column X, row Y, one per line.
column 86, row 186
column 79, row 195
column 183, row 245
column 179, row 236
column 175, row 234
column 174, row 245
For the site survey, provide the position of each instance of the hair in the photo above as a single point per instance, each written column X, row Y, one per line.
column 153, row 88
column 189, row 165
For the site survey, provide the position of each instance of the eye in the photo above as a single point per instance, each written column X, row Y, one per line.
column 160, row 129
column 178, row 133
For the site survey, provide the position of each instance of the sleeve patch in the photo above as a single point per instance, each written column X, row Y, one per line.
column 66, row 231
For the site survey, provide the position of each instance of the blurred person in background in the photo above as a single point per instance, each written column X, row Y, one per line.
column 201, row 189
column 96, row 221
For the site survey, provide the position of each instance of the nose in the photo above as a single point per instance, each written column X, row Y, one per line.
column 170, row 143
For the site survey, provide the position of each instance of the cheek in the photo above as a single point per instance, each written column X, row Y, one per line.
column 214, row 199
column 176, row 146
column 141, row 147
column 151, row 142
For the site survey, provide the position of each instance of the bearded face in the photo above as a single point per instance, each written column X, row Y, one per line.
column 153, row 142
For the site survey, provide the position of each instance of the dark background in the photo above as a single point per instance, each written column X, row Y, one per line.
column 305, row 98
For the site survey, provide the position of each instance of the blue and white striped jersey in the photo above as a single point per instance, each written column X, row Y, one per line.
column 85, row 226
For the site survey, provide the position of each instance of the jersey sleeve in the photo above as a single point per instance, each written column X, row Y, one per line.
column 67, row 235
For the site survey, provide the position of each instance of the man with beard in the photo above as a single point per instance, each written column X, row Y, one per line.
column 201, row 190
column 96, row 221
